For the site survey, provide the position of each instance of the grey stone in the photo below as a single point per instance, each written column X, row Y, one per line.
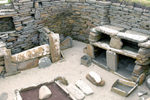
column 148, row 81
column 3, row 96
column 86, row 60
column 67, row 43
column 112, row 60
column 141, row 93
column 44, row 62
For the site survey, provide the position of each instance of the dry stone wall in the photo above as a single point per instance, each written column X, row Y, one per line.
column 67, row 17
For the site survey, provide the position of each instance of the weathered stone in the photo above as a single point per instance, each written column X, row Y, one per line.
column 38, row 51
column 44, row 62
column 145, row 44
column 116, row 42
column 86, row 60
column 74, row 91
column 138, row 69
column 28, row 64
column 9, row 66
column 141, row 78
column 90, row 50
column 133, row 36
column 84, row 87
column 95, row 79
column 112, row 60
column 44, row 92
column 54, row 47
column 67, row 43
column 1, row 69
column 144, row 52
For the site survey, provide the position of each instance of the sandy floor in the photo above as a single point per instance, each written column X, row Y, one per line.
column 72, row 70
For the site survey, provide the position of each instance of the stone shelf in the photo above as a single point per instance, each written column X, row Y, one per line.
column 133, row 36
column 119, row 51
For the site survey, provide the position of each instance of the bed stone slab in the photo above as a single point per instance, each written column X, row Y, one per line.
column 38, row 51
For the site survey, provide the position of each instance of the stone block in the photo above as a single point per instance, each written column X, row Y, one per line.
column 54, row 47
column 67, row 43
column 138, row 69
column 116, row 42
column 112, row 60
column 95, row 78
column 44, row 62
column 44, row 92
column 84, row 87
column 86, row 60
column 145, row 44
column 75, row 92
column 28, row 64
column 90, row 50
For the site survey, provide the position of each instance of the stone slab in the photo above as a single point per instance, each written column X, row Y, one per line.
column 75, row 92
column 112, row 60
column 145, row 44
column 133, row 36
column 38, row 51
column 90, row 50
column 84, row 87
column 54, row 47
column 109, row 30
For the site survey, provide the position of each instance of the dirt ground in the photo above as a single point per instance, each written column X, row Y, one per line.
column 71, row 69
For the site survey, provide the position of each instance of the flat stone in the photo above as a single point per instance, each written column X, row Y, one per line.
column 75, row 92
column 116, row 42
column 133, row 36
column 67, row 43
column 3, row 96
column 84, row 87
column 54, row 47
column 44, row 92
column 145, row 44
column 38, row 51
column 44, row 62
column 109, row 30
column 95, row 76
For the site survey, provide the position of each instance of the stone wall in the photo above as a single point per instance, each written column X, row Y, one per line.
column 67, row 17
column 130, row 17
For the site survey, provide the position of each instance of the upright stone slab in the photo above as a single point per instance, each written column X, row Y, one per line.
column 9, row 66
column 90, row 50
column 54, row 47
column 112, row 60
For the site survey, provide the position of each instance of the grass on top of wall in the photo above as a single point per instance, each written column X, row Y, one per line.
column 4, row 3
